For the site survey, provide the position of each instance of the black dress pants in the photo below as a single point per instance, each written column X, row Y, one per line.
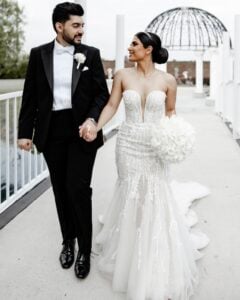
column 70, row 167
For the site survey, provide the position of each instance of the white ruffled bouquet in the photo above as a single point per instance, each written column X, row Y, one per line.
column 173, row 139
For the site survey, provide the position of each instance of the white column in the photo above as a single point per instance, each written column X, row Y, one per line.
column 119, row 64
column 83, row 3
column 236, row 117
column 214, row 77
column 227, row 72
column 120, row 50
column 199, row 75
column 227, row 67
column 219, row 101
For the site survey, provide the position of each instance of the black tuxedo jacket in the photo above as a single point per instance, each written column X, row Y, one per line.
column 89, row 94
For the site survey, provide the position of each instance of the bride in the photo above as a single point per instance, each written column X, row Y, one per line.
column 148, row 248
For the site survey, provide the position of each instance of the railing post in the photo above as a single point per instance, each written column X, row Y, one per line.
column 11, row 174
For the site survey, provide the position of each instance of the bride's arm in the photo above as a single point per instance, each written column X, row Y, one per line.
column 113, row 102
column 108, row 111
column 171, row 96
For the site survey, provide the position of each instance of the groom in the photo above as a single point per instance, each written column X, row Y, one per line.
column 65, row 88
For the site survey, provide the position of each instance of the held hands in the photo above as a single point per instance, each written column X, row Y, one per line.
column 25, row 144
column 88, row 130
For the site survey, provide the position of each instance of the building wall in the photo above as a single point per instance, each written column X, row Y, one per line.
column 184, row 71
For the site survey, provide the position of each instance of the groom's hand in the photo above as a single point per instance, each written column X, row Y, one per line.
column 25, row 144
column 88, row 130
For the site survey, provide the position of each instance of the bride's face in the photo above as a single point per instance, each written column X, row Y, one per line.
column 136, row 50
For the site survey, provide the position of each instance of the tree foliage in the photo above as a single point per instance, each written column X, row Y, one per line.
column 12, row 59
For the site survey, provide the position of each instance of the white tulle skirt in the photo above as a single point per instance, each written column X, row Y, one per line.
column 148, row 249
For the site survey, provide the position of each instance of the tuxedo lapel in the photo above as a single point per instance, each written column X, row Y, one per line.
column 76, row 73
column 47, row 58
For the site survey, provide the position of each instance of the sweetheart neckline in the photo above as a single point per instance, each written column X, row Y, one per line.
column 145, row 101
column 131, row 90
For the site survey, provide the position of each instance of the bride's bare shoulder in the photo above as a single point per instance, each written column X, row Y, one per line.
column 169, row 78
column 124, row 72
column 171, row 81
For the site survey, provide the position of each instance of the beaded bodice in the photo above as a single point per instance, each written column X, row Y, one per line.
column 152, row 110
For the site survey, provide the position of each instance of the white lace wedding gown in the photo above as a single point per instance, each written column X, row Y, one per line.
column 148, row 248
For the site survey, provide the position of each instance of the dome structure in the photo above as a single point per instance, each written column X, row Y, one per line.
column 187, row 28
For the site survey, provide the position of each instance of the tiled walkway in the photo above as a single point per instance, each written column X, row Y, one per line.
column 30, row 244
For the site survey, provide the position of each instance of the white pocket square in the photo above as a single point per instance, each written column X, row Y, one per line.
column 85, row 69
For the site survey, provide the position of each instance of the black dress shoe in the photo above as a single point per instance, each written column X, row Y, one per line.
column 67, row 254
column 82, row 265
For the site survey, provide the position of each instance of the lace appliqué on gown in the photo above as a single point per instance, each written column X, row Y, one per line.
column 148, row 249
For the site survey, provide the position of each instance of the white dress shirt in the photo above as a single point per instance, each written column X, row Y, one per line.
column 62, row 76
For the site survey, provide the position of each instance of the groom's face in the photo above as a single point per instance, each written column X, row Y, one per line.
column 72, row 30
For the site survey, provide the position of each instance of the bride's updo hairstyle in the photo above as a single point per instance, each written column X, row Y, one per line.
column 159, row 54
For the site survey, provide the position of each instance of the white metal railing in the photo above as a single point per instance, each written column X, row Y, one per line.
column 20, row 171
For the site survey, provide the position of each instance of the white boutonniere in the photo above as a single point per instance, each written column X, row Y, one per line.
column 80, row 58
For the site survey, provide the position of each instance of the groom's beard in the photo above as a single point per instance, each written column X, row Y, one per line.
column 72, row 41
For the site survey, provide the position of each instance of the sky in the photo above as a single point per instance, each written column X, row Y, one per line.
column 101, row 19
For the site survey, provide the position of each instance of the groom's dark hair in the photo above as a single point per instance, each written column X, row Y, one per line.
column 63, row 11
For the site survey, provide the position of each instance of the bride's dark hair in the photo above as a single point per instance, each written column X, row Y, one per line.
column 159, row 54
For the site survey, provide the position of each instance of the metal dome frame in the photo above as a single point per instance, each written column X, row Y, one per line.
column 188, row 28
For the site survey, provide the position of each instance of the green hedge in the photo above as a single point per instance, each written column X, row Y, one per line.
column 14, row 69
